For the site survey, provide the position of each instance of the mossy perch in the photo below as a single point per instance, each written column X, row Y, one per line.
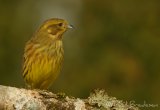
column 12, row 98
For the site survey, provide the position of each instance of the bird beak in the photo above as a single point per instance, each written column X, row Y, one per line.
column 70, row 26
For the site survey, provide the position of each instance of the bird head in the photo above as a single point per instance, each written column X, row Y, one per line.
column 54, row 28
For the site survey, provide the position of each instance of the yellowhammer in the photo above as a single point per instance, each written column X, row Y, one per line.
column 43, row 54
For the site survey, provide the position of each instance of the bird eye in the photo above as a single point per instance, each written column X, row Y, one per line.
column 60, row 24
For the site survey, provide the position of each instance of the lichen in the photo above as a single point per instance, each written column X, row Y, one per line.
column 79, row 104
column 101, row 99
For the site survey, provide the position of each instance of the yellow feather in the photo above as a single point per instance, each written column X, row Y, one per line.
column 43, row 55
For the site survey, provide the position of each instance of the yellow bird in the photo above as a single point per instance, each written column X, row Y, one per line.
column 43, row 54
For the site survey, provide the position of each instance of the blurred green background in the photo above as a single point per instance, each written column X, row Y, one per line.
column 115, row 45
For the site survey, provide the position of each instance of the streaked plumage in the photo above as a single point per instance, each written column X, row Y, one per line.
column 43, row 54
